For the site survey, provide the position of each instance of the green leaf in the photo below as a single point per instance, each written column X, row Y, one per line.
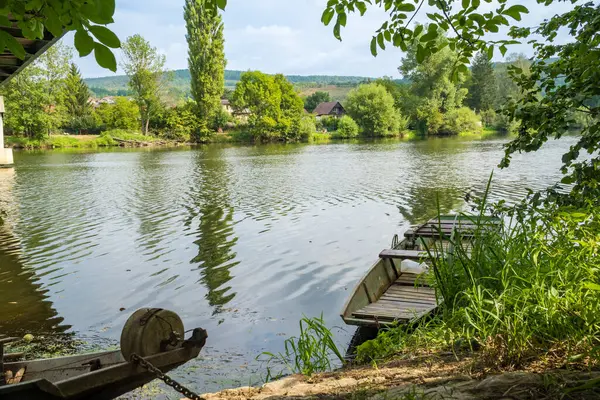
column 106, row 8
column 336, row 31
column 490, row 52
column 420, row 53
column 106, row 36
column 327, row 16
column 380, row 41
column 465, row 4
column 13, row 46
column 105, row 57
column 387, row 35
column 591, row 286
column 475, row 3
column 222, row 4
column 83, row 42
column 374, row 46
column 462, row 68
column 429, row 36
column 342, row 18
column 4, row 21
column 477, row 18
column 516, row 11
column 418, row 30
column 361, row 7
column 405, row 7
column 503, row 50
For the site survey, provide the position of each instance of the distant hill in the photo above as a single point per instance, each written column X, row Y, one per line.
column 180, row 84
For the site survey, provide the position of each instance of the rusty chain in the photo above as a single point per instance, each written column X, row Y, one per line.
column 165, row 378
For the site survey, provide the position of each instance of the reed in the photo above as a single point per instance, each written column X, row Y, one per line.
column 312, row 351
column 528, row 291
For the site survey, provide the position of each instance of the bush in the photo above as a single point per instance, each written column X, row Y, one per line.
column 488, row 118
column 461, row 120
column 306, row 128
column 429, row 119
column 347, row 128
column 220, row 120
column 328, row 123
column 507, row 125
column 372, row 107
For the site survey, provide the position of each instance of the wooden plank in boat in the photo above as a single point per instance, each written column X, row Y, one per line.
column 422, row 300
column 403, row 254
column 411, row 280
column 393, row 305
column 410, row 289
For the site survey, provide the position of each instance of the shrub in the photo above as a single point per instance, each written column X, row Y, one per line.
column 328, row 123
column 347, row 128
column 306, row 127
column 429, row 119
column 220, row 120
column 461, row 120
column 507, row 125
column 488, row 118
column 372, row 107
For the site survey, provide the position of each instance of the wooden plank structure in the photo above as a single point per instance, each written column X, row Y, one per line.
column 11, row 65
column 387, row 294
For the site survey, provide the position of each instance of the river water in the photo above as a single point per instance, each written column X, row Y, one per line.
column 240, row 240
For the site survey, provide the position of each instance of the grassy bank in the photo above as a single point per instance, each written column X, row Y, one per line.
column 106, row 139
column 524, row 296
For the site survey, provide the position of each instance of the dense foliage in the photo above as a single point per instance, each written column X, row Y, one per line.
column 274, row 108
column 144, row 66
column 523, row 293
column 372, row 107
column 206, row 59
column 77, row 106
column 87, row 19
column 346, row 128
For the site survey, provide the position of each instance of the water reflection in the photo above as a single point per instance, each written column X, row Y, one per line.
column 211, row 215
column 24, row 303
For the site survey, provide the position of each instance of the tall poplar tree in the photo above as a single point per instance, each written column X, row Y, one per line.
column 206, row 57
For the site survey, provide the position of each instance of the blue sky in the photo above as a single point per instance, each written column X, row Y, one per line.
column 274, row 36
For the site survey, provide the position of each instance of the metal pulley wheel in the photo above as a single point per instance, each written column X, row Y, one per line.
column 150, row 331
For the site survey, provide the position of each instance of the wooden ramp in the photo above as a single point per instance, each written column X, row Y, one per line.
column 407, row 299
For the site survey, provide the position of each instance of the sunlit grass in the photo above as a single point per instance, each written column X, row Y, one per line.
column 527, row 292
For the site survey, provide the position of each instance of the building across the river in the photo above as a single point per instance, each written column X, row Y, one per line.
column 330, row 109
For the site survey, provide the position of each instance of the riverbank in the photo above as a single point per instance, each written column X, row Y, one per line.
column 431, row 377
column 119, row 138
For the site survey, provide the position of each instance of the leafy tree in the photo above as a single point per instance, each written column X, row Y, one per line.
column 26, row 103
column 507, row 86
column 206, row 57
column 461, row 120
column 87, row 19
column 312, row 101
column 372, row 107
column 145, row 68
column 483, row 89
column 124, row 114
column 275, row 108
column 76, row 95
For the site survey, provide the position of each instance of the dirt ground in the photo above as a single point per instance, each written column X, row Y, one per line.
column 424, row 379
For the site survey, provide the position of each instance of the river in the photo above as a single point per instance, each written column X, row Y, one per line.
column 240, row 240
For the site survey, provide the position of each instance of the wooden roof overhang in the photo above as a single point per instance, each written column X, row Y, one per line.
column 11, row 65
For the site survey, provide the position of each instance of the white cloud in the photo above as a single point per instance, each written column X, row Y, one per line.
column 274, row 36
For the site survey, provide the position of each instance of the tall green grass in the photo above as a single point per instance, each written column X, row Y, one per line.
column 528, row 291
column 312, row 351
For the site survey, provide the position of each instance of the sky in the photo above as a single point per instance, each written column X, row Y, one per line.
column 275, row 36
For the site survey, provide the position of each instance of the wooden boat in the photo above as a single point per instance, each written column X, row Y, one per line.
column 389, row 294
column 151, row 334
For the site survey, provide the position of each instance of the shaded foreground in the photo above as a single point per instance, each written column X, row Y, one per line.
column 423, row 378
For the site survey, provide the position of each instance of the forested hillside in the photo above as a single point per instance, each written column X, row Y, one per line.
column 180, row 82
